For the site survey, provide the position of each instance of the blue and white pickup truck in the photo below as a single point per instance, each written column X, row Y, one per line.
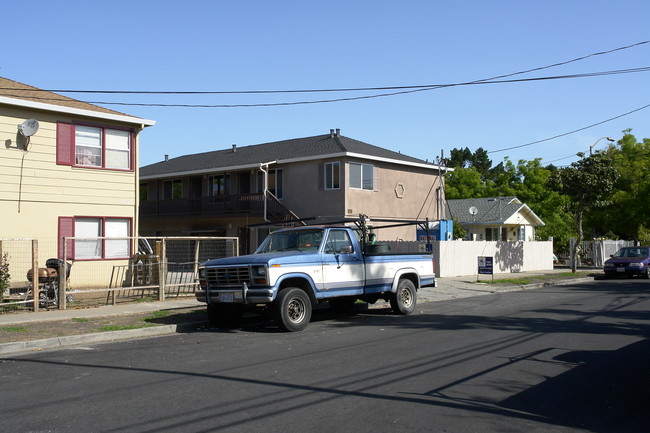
column 294, row 269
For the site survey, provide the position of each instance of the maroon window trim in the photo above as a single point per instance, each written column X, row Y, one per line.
column 66, row 229
column 65, row 138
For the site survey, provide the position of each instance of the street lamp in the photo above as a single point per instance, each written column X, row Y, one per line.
column 601, row 138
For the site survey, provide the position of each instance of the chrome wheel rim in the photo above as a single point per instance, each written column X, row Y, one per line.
column 406, row 297
column 296, row 310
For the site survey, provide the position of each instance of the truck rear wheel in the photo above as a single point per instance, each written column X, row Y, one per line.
column 405, row 299
column 292, row 309
column 223, row 315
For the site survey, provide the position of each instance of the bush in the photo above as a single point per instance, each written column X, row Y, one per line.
column 4, row 274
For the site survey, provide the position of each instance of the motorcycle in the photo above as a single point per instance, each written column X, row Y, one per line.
column 48, row 282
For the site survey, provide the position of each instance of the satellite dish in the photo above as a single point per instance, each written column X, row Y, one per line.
column 473, row 210
column 29, row 127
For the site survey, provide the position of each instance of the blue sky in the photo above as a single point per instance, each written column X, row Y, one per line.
column 289, row 45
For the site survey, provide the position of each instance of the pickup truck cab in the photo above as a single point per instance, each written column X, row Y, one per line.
column 294, row 269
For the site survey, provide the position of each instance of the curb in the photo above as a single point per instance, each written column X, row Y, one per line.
column 555, row 283
column 102, row 337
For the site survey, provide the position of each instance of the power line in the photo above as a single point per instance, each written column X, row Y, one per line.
column 354, row 98
column 358, row 89
column 571, row 132
column 573, row 155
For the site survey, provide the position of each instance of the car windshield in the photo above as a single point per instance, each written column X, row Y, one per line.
column 298, row 240
column 632, row 252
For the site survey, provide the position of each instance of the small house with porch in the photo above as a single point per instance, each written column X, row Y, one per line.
column 495, row 218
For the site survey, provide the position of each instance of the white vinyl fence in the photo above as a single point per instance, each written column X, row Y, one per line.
column 458, row 258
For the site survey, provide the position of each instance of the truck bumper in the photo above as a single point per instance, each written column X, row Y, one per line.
column 242, row 295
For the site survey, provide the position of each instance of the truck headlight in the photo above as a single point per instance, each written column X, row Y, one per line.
column 202, row 281
column 258, row 274
column 635, row 265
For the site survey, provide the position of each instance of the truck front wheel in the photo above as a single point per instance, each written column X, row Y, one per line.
column 405, row 299
column 292, row 309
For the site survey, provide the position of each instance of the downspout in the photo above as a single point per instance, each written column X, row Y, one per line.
column 264, row 167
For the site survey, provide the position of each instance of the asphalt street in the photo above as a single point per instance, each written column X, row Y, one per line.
column 447, row 288
column 556, row 359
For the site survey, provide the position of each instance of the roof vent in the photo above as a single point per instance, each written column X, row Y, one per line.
column 338, row 132
column 234, row 148
column 331, row 133
column 166, row 157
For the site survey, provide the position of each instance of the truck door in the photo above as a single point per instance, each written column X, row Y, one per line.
column 343, row 268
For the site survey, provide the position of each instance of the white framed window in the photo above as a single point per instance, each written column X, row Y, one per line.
column 88, row 146
column 88, row 248
column 117, row 228
column 87, row 232
column 118, row 149
column 332, row 175
column 362, row 176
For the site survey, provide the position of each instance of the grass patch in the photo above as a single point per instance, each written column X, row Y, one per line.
column 148, row 298
column 535, row 278
column 513, row 281
column 156, row 315
column 13, row 329
column 109, row 328
column 199, row 311
column 80, row 319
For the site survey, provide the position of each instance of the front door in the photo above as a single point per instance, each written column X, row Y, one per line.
column 343, row 269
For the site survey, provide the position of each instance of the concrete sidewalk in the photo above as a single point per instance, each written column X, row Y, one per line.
column 447, row 289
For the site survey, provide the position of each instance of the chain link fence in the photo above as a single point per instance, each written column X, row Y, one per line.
column 104, row 270
column 594, row 252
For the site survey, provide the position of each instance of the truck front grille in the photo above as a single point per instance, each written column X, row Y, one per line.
column 230, row 276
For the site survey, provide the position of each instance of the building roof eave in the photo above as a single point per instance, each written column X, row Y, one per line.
column 76, row 111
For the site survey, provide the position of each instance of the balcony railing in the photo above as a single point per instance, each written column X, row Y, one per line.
column 219, row 206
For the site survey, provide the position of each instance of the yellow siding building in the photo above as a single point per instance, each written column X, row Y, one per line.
column 67, row 168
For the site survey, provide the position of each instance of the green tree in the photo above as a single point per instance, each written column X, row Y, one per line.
column 465, row 183
column 459, row 231
column 533, row 189
column 629, row 211
column 464, row 158
column 459, row 158
column 588, row 182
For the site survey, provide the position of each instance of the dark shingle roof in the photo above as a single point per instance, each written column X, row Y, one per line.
column 317, row 146
column 489, row 210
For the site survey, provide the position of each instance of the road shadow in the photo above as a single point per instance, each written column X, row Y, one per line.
column 608, row 391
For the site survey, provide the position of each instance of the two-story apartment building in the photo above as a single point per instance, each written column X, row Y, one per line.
column 227, row 192
column 73, row 173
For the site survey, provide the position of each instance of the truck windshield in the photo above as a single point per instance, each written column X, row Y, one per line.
column 299, row 240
